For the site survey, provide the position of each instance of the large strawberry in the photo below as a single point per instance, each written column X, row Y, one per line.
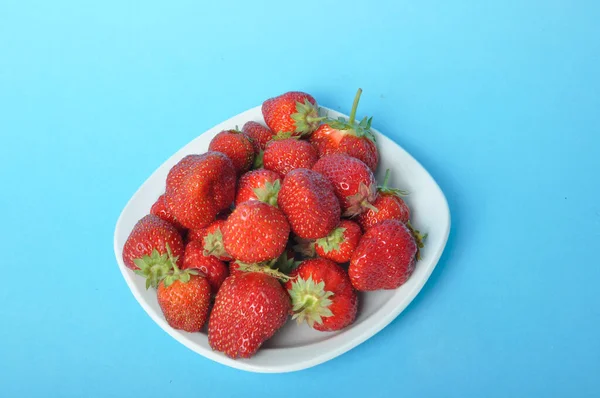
column 255, row 232
column 283, row 155
column 159, row 208
column 214, row 269
column 259, row 134
column 237, row 146
column 260, row 185
column 308, row 201
column 151, row 233
column 294, row 112
column 353, row 181
column 199, row 187
column 212, row 240
column 385, row 257
column 388, row 206
column 348, row 136
column 339, row 245
column 322, row 295
column 249, row 309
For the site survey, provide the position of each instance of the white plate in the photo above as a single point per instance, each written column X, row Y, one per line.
column 298, row 347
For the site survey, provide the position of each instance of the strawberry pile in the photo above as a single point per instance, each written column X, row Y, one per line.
column 274, row 222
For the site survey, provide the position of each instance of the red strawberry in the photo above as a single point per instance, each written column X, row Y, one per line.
column 249, row 309
column 286, row 154
column 353, row 181
column 199, row 187
column 212, row 240
column 237, row 146
column 255, row 232
column 214, row 269
column 259, row 134
column 389, row 205
column 260, row 185
column 159, row 208
column 322, row 295
column 339, row 245
column 349, row 137
column 294, row 112
column 385, row 257
column 150, row 234
column 308, row 201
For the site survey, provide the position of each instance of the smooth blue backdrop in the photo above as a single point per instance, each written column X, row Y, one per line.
column 500, row 101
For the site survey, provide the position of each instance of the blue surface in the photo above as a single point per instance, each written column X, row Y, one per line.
column 499, row 100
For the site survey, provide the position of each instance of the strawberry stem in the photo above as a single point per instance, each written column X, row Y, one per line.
column 386, row 178
column 354, row 107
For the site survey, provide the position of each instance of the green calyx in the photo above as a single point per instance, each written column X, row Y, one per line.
column 161, row 267
column 350, row 126
column 284, row 135
column 263, row 268
column 269, row 192
column 362, row 200
column 419, row 239
column 258, row 160
column 310, row 301
column 306, row 118
column 332, row 241
column 305, row 247
column 390, row 191
column 213, row 244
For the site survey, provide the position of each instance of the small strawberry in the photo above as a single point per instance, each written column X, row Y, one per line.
column 249, row 309
column 349, row 137
column 149, row 234
column 389, row 206
column 259, row 134
column 283, row 155
column 308, row 201
column 214, row 269
column 353, row 181
column 159, row 208
column 199, row 187
column 385, row 257
column 294, row 112
column 255, row 232
column 339, row 245
column 260, row 185
column 237, row 146
column 322, row 295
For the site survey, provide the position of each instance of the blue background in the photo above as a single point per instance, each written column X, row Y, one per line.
column 499, row 100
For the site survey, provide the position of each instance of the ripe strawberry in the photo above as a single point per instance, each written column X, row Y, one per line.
column 214, row 269
column 255, row 232
column 260, row 185
column 199, row 187
column 349, row 137
column 389, row 205
column 339, row 245
column 249, row 309
column 294, row 112
column 353, row 181
column 259, row 134
column 237, row 146
column 159, row 208
column 308, row 201
column 212, row 240
column 385, row 257
column 322, row 295
column 283, row 155
column 149, row 234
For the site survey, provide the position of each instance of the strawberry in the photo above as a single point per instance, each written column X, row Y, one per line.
column 259, row 134
column 249, row 309
column 159, row 208
column 212, row 240
column 389, row 206
column 294, row 112
column 255, row 232
column 260, row 185
column 237, row 146
column 283, row 155
column 349, row 137
column 353, row 181
column 214, row 269
column 385, row 257
column 322, row 295
column 339, row 245
column 308, row 201
column 199, row 187
column 150, row 234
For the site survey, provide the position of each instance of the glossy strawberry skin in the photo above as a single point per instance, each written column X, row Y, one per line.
column 185, row 305
column 308, row 201
column 285, row 155
column 252, row 180
column 249, row 309
column 385, row 257
column 159, row 208
column 237, row 146
column 214, row 269
column 149, row 233
column 255, row 232
column 199, row 187
column 389, row 207
column 259, row 134
column 277, row 112
column 351, row 237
